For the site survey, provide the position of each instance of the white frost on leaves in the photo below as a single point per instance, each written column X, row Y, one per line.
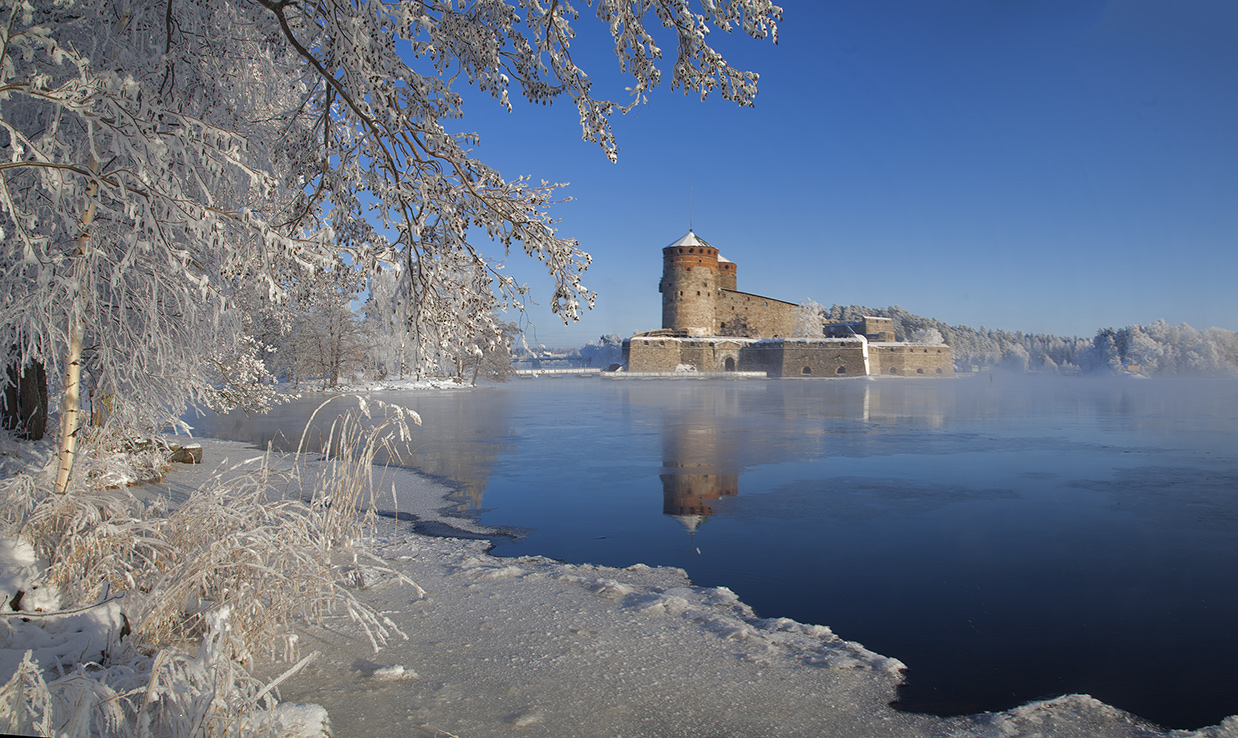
column 171, row 169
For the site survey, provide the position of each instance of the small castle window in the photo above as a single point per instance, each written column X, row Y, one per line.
column 691, row 251
column 807, row 370
column 698, row 293
column 689, row 268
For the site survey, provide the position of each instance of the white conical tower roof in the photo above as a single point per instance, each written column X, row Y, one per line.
column 691, row 239
column 690, row 522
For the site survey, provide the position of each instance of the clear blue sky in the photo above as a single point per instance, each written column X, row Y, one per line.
column 1050, row 166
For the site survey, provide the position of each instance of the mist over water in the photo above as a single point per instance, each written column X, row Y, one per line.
column 1007, row 537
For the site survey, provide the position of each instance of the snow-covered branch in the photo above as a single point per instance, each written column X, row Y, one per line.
column 158, row 158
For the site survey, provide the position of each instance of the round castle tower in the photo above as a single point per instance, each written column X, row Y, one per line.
column 693, row 274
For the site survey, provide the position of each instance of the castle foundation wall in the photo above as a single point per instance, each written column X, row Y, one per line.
column 822, row 357
column 911, row 359
column 651, row 354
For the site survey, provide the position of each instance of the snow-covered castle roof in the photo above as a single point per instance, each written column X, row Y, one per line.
column 690, row 239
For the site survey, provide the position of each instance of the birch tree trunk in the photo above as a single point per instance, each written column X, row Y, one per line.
column 70, row 400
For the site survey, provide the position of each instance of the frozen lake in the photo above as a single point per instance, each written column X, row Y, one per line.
column 1008, row 538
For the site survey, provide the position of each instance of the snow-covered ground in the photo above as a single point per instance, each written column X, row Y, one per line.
column 532, row 646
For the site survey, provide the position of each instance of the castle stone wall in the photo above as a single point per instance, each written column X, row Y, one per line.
column 878, row 329
column 822, row 357
column 659, row 354
column 651, row 354
column 753, row 316
column 872, row 328
column 911, row 359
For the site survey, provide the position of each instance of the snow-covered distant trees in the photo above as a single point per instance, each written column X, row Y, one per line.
column 157, row 155
column 1157, row 349
column 1170, row 350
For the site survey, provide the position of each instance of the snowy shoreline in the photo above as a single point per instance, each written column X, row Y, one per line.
column 540, row 647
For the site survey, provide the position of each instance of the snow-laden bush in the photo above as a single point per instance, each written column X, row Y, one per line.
column 248, row 555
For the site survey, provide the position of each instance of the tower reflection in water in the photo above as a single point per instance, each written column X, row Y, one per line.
column 689, row 486
column 713, row 432
column 699, row 462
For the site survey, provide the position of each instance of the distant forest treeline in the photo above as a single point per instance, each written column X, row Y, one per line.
column 1158, row 349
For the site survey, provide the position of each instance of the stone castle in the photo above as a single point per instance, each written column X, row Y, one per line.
column 708, row 325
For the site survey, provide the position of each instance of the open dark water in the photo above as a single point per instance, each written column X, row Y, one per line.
column 1008, row 538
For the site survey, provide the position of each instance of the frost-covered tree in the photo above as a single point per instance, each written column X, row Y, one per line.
column 602, row 353
column 927, row 335
column 493, row 363
column 156, row 154
column 386, row 323
column 329, row 342
column 809, row 320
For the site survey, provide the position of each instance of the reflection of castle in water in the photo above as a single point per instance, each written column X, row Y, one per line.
column 711, row 433
column 689, row 493
column 699, row 457
column 696, row 468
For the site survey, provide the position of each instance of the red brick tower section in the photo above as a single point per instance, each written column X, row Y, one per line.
column 690, row 283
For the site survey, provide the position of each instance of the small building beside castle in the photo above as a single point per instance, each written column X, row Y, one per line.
column 708, row 325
